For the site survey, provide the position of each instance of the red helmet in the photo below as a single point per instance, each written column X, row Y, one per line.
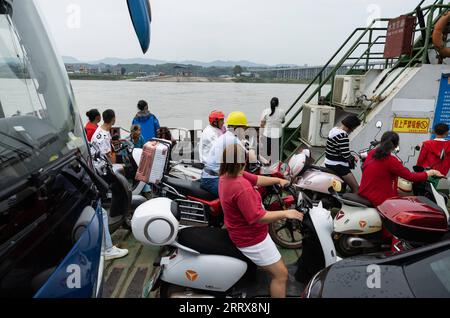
column 215, row 116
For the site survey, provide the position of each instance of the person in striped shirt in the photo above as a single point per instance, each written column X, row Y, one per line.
column 337, row 154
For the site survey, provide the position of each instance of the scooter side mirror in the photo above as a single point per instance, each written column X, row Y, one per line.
column 442, row 156
column 379, row 124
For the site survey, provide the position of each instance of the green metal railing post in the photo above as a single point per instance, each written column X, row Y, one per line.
column 320, row 81
column 368, row 49
column 332, row 86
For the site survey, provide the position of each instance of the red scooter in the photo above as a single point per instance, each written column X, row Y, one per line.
column 416, row 220
column 198, row 202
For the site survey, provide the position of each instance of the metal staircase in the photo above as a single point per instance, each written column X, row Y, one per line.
column 361, row 51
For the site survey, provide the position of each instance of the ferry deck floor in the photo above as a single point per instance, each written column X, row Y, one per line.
column 126, row 277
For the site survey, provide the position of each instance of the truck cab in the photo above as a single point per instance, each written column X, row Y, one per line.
column 51, row 229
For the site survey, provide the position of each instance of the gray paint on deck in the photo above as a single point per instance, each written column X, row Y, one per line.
column 137, row 283
column 111, row 283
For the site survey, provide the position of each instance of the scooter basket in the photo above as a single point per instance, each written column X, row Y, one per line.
column 192, row 212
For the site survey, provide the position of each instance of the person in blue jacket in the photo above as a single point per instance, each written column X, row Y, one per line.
column 148, row 122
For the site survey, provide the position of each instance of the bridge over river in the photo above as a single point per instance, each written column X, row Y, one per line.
column 308, row 73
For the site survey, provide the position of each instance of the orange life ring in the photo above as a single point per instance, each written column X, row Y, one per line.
column 438, row 35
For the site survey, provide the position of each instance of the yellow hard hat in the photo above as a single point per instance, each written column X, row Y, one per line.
column 237, row 119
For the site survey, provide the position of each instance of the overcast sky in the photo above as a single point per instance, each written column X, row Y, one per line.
column 262, row 31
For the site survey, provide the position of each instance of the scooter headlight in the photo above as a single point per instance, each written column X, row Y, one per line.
column 336, row 185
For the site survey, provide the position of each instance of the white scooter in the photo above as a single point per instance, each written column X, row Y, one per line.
column 358, row 225
column 313, row 180
column 318, row 250
column 202, row 262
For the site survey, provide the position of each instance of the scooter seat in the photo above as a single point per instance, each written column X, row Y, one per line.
column 210, row 241
column 323, row 169
column 190, row 188
column 194, row 164
column 354, row 198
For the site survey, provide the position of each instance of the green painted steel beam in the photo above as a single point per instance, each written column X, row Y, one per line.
column 405, row 61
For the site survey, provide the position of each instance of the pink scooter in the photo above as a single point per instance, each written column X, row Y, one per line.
column 314, row 181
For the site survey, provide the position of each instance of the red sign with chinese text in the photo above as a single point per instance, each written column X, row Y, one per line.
column 400, row 36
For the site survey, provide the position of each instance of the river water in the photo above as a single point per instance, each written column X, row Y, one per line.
column 180, row 104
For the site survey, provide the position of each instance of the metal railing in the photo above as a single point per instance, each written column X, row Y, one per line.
column 367, row 37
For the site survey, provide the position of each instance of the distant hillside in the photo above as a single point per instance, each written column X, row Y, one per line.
column 144, row 61
column 219, row 63
column 70, row 60
column 117, row 61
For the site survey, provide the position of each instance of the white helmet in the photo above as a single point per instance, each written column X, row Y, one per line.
column 298, row 162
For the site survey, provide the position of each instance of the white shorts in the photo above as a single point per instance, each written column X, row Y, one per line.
column 262, row 254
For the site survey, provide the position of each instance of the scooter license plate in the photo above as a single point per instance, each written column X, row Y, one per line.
column 151, row 284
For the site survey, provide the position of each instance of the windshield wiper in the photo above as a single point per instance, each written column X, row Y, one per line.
column 22, row 153
column 18, row 140
column 6, row 161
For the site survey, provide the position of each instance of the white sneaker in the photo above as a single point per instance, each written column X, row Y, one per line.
column 115, row 252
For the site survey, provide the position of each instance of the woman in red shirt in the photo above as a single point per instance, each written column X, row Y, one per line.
column 94, row 118
column 381, row 171
column 246, row 220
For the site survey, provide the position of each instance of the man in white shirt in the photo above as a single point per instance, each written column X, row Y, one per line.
column 102, row 138
column 213, row 131
column 236, row 123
